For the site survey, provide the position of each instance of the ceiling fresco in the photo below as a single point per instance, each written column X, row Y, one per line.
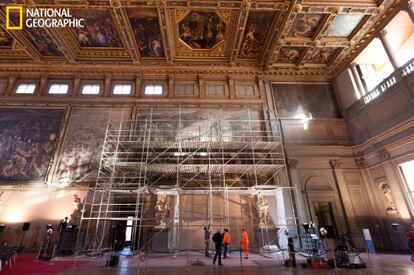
column 99, row 31
column 266, row 35
column 43, row 42
column 290, row 54
column 202, row 30
column 343, row 25
column 306, row 25
column 5, row 39
column 255, row 34
column 322, row 55
column 146, row 29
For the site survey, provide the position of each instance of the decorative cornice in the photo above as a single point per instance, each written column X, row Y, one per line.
column 334, row 163
column 383, row 155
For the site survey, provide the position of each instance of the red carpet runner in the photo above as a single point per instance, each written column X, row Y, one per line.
column 25, row 264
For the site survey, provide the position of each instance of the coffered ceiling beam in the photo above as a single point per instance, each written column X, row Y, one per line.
column 239, row 30
column 289, row 14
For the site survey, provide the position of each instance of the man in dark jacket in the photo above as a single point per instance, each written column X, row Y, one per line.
column 218, row 241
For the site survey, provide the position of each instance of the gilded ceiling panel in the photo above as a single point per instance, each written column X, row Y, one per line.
column 99, row 31
column 290, row 54
column 43, row 42
column 344, row 24
column 146, row 29
column 202, row 30
column 6, row 41
column 306, row 25
column 323, row 55
column 255, row 33
column 202, row 34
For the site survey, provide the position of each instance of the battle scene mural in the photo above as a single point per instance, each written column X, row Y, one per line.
column 202, row 30
column 144, row 23
column 82, row 145
column 27, row 140
column 255, row 33
column 5, row 39
column 306, row 25
column 196, row 124
column 99, row 31
column 322, row 55
column 298, row 100
column 344, row 24
column 290, row 54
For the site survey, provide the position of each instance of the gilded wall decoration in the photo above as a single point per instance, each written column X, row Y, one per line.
column 299, row 100
column 202, row 30
column 255, row 33
column 344, row 24
column 144, row 23
column 306, row 25
column 322, row 55
column 100, row 30
column 27, row 139
column 5, row 39
column 290, row 54
column 82, row 145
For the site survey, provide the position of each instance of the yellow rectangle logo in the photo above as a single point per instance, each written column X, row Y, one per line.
column 18, row 9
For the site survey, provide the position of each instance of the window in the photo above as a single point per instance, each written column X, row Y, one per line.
column 246, row 90
column 407, row 169
column 91, row 89
column 60, row 89
column 122, row 89
column 26, row 88
column 153, row 90
column 185, row 89
column 215, row 89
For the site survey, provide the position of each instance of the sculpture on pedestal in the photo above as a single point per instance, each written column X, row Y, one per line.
column 162, row 210
column 389, row 200
column 77, row 210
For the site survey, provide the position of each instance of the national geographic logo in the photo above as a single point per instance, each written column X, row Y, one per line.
column 17, row 18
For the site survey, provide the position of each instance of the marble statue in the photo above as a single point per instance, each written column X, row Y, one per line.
column 162, row 210
column 77, row 210
column 263, row 206
column 391, row 207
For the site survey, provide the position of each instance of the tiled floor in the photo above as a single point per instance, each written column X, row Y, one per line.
column 257, row 264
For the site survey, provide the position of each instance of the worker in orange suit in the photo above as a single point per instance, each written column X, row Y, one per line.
column 226, row 241
column 244, row 242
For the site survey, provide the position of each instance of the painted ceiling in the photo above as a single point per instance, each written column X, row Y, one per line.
column 292, row 35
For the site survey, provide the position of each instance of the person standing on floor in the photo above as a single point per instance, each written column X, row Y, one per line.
column 226, row 242
column 244, row 242
column 410, row 243
column 218, row 241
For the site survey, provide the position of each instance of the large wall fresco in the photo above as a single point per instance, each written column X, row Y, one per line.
column 82, row 145
column 201, row 125
column 298, row 100
column 202, row 30
column 144, row 23
column 100, row 30
column 27, row 140
column 255, row 34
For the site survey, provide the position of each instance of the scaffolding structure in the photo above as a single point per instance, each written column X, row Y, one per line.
column 150, row 163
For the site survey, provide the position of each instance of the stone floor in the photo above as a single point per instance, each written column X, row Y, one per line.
column 196, row 263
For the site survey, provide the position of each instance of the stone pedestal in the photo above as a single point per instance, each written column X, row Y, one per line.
column 159, row 242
